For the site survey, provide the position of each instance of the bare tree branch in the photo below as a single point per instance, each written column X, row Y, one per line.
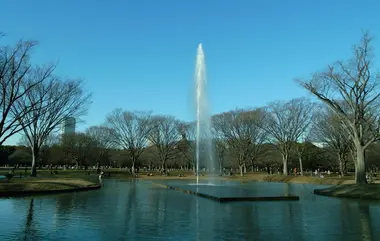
column 187, row 144
column 351, row 90
column 130, row 131
column 241, row 130
column 328, row 129
column 17, row 78
column 79, row 147
column 102, row 137
column 286, row 123
column 165, row 137
column 53, row 101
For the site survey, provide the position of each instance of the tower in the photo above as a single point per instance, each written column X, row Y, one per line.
column 68, row 126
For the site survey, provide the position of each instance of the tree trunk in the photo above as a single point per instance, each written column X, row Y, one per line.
column 35, row 155
column 360, row 175
column 221, row 161
column 345, row 165
column 301, row 166
column 244, row 168
column 241, row 170
column 163, row 166
column 133, row 155
column 285, row 164
column 341, row 164
column 97, row 167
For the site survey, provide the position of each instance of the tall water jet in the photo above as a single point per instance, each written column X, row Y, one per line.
column 204, row 147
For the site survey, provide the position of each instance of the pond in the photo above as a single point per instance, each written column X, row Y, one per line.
column 138, row 210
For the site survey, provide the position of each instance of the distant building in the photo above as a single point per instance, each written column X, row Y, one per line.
column 68, row 126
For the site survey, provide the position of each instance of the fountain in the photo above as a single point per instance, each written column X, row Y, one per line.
column 205, row 153
column 203, row 131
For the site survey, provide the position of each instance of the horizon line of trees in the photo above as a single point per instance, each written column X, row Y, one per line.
column 346, row 120
column 96, row 147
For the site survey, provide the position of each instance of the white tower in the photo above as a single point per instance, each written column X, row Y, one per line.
column 68, row 126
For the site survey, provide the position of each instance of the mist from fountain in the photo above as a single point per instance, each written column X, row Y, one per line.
column 204, row 148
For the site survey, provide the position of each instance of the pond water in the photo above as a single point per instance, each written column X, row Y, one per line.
column 138, row 210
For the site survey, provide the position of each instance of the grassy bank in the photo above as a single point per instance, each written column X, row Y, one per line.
column 174, row 175
column 369, row 191
column 307, row 180
column 39, row 186
column 76, row 180
column 263, row 177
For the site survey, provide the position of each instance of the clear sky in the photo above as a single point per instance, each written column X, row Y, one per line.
column 140, row 54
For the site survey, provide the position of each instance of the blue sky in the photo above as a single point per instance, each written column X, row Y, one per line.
column 140, row 54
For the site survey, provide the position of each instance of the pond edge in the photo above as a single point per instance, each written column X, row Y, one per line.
column 351, row 191
column 47, row 192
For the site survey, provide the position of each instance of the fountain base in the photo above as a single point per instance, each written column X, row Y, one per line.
column 226, row 193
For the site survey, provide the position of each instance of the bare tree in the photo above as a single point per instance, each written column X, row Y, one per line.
column 304, row 139
column 221, row 149
column 165, row 137
column 270, row 158
column 300, row 149
column 351, row 90
column 187, row 144
column 239, row 129
column 328, row 129
column 219, row 140
column 286, row 123
column 103, row 137
column 54, row 101
column 130, row 131
column 78, row 147
column 17, row 78
column 44, row 150
column 259, row 136
column 50, row 151
column 52, row 139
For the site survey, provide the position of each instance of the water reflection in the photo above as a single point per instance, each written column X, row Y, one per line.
column 365, row 222
column 250, row 221
column 126, row 213
column 30, row 230
column 291, row 216
column 197, row 218
column 64, row 204
column 133, row 210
